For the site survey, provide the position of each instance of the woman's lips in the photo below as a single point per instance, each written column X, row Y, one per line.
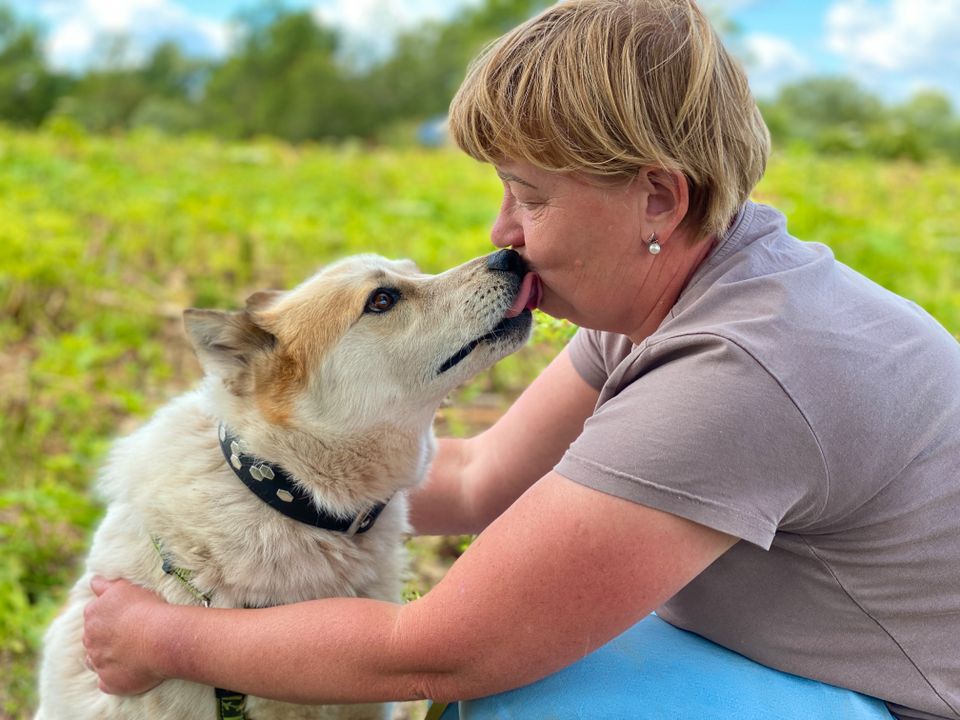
column 528, row 296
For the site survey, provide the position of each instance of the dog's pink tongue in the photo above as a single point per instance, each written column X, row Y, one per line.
column 528, row 296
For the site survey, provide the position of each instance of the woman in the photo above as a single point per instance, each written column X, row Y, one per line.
column 745, row 435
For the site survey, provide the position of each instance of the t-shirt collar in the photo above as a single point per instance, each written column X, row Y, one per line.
column 729, row 243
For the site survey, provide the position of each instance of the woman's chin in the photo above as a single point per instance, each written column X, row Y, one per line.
column 558, row 311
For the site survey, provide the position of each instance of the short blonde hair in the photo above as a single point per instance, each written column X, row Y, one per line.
column 606, row 87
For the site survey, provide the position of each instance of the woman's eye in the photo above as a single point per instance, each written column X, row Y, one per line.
column 528, row 203
column 381, row 300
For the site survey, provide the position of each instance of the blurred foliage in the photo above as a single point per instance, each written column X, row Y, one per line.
column 287, row 76
column 290, row 77
column 28, row 91
column 834, row 116
column 104, row 240
column 284, row 79
column 427, row 65
column 156, row 94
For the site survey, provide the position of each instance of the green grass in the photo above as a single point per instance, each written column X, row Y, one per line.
column 897, row 223
column 103, row 241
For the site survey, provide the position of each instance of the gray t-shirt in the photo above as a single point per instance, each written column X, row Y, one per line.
column 793, row 403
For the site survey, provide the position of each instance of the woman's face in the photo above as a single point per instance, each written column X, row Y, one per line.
column 584, row 240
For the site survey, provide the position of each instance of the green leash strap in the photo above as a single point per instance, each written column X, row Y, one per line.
column 230, row 704
column 435, row 711
column 180, row 574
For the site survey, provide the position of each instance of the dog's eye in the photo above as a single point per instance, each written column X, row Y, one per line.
column 381, row 300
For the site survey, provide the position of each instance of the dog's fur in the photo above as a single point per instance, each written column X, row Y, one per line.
column 341, row 397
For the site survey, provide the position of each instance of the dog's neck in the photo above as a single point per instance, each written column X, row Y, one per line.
column 277, row 488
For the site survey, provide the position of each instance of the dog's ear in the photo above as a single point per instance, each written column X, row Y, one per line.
column 263, row 299
column 227, row 342
column 408, row 266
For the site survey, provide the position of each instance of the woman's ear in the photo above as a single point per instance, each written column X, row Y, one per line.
column 667, row 199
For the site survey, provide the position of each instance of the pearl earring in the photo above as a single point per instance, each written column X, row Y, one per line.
column 652, row 245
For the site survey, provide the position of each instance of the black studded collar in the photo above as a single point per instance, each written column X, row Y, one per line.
column 272, row 484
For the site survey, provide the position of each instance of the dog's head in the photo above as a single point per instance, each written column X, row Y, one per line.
column 366, row 341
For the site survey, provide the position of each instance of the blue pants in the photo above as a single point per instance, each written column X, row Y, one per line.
column 655, row 671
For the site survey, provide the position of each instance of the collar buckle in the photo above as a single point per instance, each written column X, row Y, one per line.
column 361, row 523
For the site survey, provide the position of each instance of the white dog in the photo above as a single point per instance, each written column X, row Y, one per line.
column 281, row 478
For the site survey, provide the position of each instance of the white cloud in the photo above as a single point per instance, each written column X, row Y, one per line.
column 76, row 27
column 369, row 16
column 772, row 61
column 726, row 6
column 373, row 23
column 898, row 45
column 71, row 39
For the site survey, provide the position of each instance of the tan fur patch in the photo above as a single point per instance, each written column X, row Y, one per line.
column 307, row 324
column 276, row 383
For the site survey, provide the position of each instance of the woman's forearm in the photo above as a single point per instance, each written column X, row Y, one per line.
column 442, row 506
column 546, row 583
column 473, row 481
column 324, row 651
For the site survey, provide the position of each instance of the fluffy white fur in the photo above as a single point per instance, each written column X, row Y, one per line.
column 341, row 397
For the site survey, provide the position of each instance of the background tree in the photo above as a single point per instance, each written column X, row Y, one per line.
column 830, row 113
column 291, row 76
column 116, row 94
column 284, row 78
column 28, row 90
column 928, row 117
column 173, row 85
column 427, row 65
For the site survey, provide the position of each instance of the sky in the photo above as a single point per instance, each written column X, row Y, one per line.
column 893, row 47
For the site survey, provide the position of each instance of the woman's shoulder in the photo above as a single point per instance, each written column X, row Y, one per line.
column 789, row 306
column 778, row 296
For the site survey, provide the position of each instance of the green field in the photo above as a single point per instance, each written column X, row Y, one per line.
column 103, row 241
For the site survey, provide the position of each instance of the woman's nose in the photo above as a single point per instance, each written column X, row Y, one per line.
column 506, row 231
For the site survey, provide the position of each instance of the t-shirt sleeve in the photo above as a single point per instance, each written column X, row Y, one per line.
column 586, row 354
column 706, row 433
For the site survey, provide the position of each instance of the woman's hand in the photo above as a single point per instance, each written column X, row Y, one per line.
column 116, row 639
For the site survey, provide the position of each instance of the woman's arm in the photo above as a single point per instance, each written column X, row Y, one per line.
column 472, row 481
column 562, row 571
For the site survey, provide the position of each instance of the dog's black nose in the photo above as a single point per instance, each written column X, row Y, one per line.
column 507, row 261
